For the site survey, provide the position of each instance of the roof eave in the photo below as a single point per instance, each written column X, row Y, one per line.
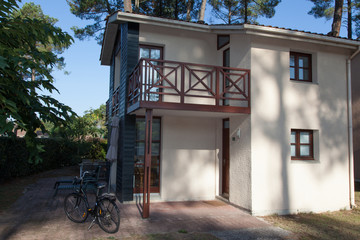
column 122, row 17
column 301, row 36
column 265, row 31
column 109, row 40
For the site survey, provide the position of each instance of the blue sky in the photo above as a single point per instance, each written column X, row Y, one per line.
column 87, row 86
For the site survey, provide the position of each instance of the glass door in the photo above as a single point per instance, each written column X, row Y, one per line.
column 151, row 74
column 155, row 155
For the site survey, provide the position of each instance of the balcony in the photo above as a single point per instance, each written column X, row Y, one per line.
column 160, row 84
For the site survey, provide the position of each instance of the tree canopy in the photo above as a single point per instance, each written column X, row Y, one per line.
column 243, row 11
column 93, row 10
column 92, row 124
column 341, row 12
column 22, row 102
column 98, row 10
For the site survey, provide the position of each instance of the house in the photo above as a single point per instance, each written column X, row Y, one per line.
column 355, row 73
column 256, row 115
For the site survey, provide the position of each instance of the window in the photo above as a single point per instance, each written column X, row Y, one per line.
column 302, row 147
column 155, row 155
column 222, row 40
column 300, row 67
column 153, row 52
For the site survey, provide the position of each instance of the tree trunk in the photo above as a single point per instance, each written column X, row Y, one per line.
column 33, row 75
column 202, row 11
column 188, row 10
column 127, row 6
column 176, row 10
column 137, row 6
column 335, row 29
column 246, row 12
column 349, row 8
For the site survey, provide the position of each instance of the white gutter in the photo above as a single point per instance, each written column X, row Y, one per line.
column 350, row 133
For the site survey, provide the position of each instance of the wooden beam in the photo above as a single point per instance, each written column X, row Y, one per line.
column 147, row 162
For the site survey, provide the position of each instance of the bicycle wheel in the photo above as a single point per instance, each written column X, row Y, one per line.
column 108, row 215
column 75, row 208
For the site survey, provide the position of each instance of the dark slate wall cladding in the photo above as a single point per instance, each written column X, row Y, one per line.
column 111, row 85
column 129, row 58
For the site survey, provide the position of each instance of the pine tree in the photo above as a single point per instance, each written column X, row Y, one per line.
column 243, row 11
column 98, row 10
column 348, row 8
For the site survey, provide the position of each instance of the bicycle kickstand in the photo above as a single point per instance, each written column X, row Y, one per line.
column 92, row 223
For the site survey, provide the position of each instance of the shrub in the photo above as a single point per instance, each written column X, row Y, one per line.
column 58, row 152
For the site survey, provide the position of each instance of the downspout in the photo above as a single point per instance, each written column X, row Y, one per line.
column 350, row 133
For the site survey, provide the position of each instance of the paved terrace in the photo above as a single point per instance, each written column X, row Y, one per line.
column 37, row 215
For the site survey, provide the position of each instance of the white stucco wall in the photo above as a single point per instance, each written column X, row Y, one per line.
column 181, row 45
column 189, row 158
column 279, row 184
column 240, row 161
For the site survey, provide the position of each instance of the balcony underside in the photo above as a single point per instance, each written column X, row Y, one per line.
column 186, row 107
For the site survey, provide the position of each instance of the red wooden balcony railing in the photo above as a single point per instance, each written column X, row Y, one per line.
column 187, row 86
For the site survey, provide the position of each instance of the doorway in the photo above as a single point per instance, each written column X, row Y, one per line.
column 225, row 158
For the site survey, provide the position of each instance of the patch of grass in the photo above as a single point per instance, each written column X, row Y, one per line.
column 173, row 236
column 332, row 225
column 182, row 231
column 11, row 190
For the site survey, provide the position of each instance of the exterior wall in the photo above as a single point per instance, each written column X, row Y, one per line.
column 181, row 45
column 240, row 161
column 125, row 165
column 279, row 184
column 263, row 178
column 189, row 158
column 240, row 56
column 355, row 81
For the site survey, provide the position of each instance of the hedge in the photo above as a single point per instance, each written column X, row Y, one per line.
column 57, row 153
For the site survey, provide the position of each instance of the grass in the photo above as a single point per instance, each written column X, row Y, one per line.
column 12, row 189
column 330, row 225
column 168, row 236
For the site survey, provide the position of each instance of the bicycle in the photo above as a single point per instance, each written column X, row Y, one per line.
column 105, row 212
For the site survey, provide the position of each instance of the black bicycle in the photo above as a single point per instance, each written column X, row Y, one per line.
column 105, row 212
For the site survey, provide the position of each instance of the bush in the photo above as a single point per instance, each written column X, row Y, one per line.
column 57, row 153
column 97, row 150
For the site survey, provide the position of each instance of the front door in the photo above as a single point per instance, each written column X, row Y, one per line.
column 225, row 158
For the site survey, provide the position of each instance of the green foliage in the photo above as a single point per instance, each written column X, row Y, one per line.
column 14, row 156
column 22, row 105
column 356, row 17
column 322, row 8
column 33, row 11
column 96, row 11
column 97, row 150
column 97, row 119
column 243, row 11
column 92, row 124
column 93, row 10
column 325, row 9
column 57, row 153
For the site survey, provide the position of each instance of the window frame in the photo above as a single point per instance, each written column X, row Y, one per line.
column 297, row 144
column 152, row 47
column 296, row 67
